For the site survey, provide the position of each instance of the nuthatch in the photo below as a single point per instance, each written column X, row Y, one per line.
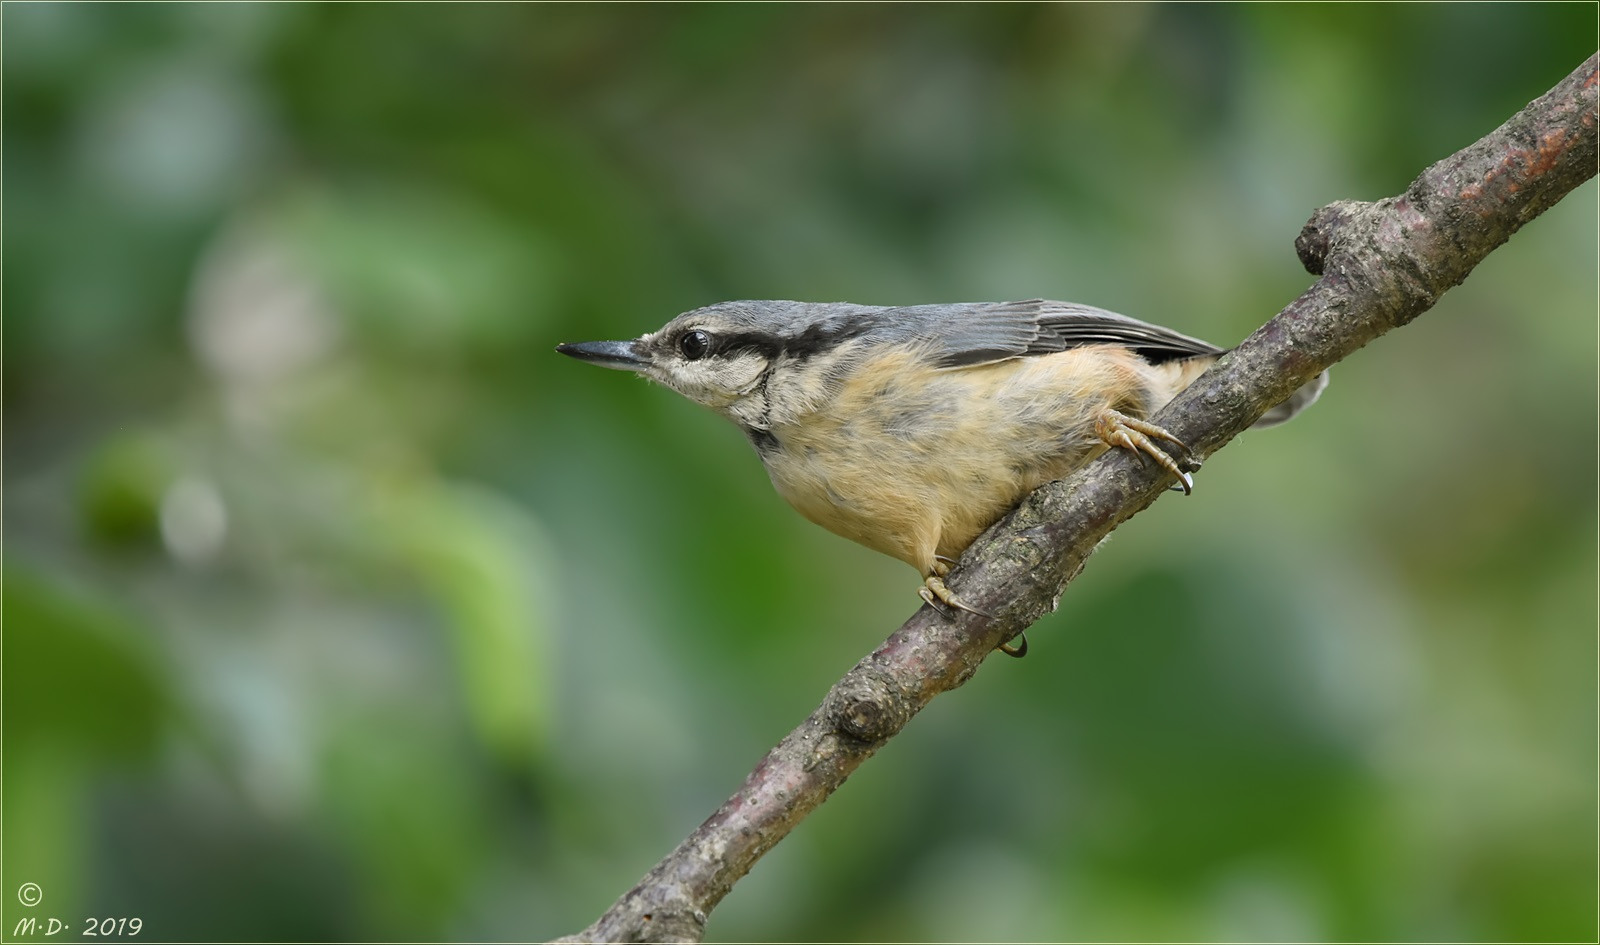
column 911, row 430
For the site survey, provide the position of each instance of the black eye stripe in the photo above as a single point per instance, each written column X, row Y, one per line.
column 762, row 343
column 814, row 340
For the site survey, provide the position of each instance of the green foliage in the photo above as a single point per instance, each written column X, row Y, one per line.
column 340, row 607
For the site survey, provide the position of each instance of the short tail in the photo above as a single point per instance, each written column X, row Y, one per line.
column 1298, row 401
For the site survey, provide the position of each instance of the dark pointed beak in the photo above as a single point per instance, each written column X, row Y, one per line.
column 621, row 355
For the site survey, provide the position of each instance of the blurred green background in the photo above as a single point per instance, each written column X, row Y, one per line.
column 340, row 607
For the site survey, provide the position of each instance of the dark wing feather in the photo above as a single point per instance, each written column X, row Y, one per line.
column 981, row 332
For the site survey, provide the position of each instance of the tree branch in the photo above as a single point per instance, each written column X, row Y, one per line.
column 1381, row 265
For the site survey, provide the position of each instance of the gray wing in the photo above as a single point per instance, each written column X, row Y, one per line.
column 981, row 332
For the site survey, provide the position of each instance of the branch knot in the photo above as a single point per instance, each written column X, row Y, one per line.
column 868, row 706
column 1318, row 237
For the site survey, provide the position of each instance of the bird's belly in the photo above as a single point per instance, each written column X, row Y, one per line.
column 883, row 505
column 914, row 465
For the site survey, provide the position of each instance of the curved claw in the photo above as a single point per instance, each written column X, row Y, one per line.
column 938, row 595
column 933, row 586
column 1139, row 437
column 1018, row 650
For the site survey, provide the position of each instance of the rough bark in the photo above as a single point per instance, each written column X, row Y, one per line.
column 1381, row 265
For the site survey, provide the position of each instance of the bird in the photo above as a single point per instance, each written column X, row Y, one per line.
column 911, row 429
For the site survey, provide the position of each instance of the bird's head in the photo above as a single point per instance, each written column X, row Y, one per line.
column 723, row 356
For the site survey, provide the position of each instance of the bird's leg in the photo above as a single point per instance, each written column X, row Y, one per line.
column 1139, row 436
column 937, row 593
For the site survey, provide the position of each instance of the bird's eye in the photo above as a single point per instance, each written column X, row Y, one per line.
column 694, row 344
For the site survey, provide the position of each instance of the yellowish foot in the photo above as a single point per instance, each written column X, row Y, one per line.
column 935, row 592
column 939, row 595
column 1139, row 436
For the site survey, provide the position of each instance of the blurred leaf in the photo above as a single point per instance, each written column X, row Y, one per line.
column 421, row 268
column 488, row 566
column 82, row 696
column 411, row 821
column 89, row 685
